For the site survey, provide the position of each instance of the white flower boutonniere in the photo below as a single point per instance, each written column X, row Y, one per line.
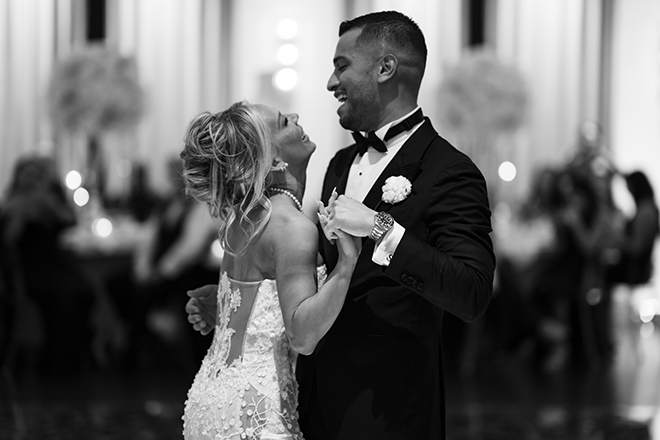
column 396, row 189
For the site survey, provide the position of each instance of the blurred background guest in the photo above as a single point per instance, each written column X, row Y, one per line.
column 560, row 286
column 176, row 257
column 142, row 201
column 63, row 311
column 591, row 227
column 635, row 266
column 570, row 286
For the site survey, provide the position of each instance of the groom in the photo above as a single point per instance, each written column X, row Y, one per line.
column 423, row 209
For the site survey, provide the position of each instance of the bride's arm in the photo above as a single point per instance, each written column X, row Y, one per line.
column 308, row 313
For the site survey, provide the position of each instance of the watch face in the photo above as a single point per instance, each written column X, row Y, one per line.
column 386, row 221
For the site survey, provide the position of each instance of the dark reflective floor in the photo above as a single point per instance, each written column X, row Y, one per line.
column 500, row 398
column 506, row 399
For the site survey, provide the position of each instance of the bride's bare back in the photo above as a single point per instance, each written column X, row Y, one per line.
column 246, row 381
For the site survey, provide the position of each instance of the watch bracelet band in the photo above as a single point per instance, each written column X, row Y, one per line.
column 376, row 233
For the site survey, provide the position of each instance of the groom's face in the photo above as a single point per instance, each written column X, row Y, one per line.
column 354, row 83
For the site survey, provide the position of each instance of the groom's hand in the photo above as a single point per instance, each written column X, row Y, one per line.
column 350, row 216
column 202, row 307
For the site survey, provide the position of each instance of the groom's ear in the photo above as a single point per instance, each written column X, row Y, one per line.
column 387, row 67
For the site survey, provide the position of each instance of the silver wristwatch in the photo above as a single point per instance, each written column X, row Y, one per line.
column 383, row 222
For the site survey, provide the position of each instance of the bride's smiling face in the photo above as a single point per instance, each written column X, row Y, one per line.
column 294, row 145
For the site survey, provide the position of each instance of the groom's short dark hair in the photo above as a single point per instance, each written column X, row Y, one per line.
column 391, row 27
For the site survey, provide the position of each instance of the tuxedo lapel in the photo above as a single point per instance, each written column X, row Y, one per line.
column 339, row 172
column 406, row 163
column 336, row 177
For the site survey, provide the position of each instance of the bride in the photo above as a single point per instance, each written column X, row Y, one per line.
column 248, row 163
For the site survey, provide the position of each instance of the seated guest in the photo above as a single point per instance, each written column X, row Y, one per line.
column 79, row 321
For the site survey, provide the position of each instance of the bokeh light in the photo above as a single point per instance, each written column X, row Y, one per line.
column 81, row 196
column 73, row 179
column 285, row 79
column 287, row 28
column 648, row 309
column 287, row 54
column 102, row 227
column 507, row 171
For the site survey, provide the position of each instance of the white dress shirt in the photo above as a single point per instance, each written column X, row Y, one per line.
column 364, row 172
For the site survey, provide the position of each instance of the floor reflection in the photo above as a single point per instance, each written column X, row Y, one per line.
column 503, row 399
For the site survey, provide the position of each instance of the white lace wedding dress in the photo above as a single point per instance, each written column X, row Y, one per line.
column 253, row 395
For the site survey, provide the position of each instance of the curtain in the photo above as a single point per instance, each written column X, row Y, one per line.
column 28, row 33
column 557, row 46
column 178, row 49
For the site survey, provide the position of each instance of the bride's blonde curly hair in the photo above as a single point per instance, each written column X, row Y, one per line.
column 227, row 160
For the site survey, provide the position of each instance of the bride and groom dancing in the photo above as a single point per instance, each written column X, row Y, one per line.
column 366, row 323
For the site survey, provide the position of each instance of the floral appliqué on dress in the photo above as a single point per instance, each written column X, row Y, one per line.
column 256, row 396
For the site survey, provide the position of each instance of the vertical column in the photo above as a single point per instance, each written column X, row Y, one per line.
column 46, row 32
column 7, row 160
column 95, row 20
column 476, row 23
column 606, row 34
column 590, row 72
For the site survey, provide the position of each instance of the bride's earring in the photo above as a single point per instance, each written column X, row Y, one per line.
column 280, row 166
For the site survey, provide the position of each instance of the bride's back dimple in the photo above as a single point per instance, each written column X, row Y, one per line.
column 238, row 318
column 249, row 316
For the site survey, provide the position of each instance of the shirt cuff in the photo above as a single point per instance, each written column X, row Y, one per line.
column 385, row 249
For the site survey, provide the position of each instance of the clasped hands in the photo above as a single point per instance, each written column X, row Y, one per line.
column 344, row 220
column 346, row 215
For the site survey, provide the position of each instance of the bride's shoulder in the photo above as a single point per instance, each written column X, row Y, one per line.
column 288, row 228
column 290, row 219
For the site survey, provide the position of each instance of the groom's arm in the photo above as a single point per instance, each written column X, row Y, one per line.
column 445, row 253
column 448, row 257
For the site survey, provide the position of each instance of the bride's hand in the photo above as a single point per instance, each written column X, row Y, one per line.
column 324, row 217
column 349, row 246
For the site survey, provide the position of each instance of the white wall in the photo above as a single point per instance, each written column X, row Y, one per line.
column 543, row 40
column 635, row 110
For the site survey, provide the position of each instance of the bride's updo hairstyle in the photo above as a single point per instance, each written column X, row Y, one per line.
column 227, row 159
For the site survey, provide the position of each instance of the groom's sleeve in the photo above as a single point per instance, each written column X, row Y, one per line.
column 448, row 258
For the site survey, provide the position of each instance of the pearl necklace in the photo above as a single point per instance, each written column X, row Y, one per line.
column 289, row 194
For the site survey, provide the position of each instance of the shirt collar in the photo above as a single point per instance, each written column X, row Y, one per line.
column 383, row 130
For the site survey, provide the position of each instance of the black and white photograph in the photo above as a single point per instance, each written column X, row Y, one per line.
column 329, row 220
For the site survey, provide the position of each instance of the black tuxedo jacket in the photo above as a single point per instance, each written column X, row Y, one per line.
column 377, row 374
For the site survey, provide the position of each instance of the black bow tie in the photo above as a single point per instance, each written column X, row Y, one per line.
column 374, row 141
column 363, row 143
